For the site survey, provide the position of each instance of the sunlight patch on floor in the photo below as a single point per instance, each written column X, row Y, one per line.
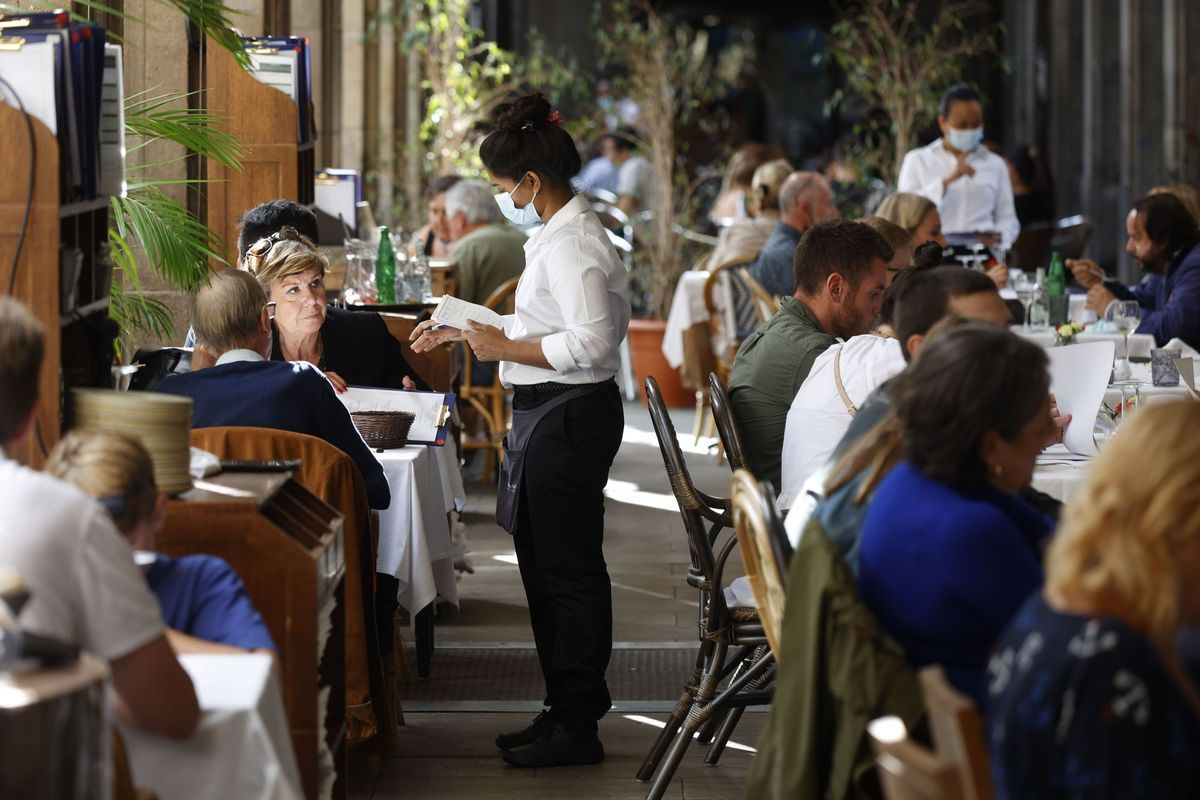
column 688, row 444
column 655, row 723
column 632, row 494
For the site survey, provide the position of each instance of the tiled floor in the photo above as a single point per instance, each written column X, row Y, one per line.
column 447, row 752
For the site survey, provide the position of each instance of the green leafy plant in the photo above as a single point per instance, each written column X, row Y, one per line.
column 665, row 70
column 148, row 229
column 464, row 78
column 898, row 62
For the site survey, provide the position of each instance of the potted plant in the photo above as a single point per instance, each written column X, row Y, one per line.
column 666, row 73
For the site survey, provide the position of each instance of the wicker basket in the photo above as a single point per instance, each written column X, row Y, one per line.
column 383, row 430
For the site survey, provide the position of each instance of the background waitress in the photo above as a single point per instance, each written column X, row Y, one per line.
column 572, row 311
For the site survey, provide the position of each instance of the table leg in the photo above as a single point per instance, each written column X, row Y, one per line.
column 424, row 625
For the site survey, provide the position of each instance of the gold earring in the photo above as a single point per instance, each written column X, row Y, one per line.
column 997, row 470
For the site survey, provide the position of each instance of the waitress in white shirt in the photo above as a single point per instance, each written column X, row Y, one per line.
column 559, row 353
column 968, row 183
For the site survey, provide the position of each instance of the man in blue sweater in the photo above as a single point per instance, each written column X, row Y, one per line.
column 1164, row 239
column 232, row 317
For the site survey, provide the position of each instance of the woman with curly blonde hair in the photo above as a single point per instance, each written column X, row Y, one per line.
column 1087, row 692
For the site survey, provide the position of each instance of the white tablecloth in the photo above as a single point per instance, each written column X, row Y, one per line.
column 1139, row 343
column 1059, row 473
column 242, row 747
column 414, row 534
column 687, row 308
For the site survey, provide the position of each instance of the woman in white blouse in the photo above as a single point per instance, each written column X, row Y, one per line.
column 968, row 183
column 559, row 353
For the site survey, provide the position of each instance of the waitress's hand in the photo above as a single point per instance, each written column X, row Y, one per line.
column 961, row 170
column 425, row 338
column 999, row 275
column 339, row 384
column 488, row 343
column 408, row 383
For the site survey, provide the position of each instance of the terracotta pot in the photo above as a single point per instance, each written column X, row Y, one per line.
column 645, row 346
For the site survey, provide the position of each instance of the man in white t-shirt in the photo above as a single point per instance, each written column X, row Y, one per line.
column 84, row 586
column 845, row 375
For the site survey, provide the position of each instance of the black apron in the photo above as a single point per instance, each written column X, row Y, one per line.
column 512, row 466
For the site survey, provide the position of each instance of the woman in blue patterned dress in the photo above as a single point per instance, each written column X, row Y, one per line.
column 1087, row 695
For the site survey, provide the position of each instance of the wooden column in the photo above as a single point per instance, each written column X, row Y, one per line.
column 37, row 271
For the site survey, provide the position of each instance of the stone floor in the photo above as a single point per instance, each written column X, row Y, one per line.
column 446, row 750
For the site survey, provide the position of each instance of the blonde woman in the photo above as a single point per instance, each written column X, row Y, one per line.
column 352, row 348
column 1087, row 695
column 920, row 217
column 203, row 602
column 745, row 237
column 1185, row 194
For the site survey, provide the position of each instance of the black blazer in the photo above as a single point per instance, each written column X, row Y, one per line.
column 359, row 347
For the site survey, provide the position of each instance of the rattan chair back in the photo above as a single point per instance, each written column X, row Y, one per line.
column 764, row 547
column 728, row 428
column 704, row 517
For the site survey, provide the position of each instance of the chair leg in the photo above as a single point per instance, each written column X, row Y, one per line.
column 719, row 741
column 701, row 413
column 733, row 668
column 678, row 715
column 695, row 719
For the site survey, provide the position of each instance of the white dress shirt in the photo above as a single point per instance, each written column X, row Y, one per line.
column 84, row 587
column 574, row 296
column 238, row 354
column 818, row 418
column 979, row 202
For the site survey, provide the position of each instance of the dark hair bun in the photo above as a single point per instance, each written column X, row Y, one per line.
column 529, row 112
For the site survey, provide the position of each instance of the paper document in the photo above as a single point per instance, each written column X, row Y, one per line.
column 30, row 71
column 431, row 409
column 454, row 313
column 1078, row 377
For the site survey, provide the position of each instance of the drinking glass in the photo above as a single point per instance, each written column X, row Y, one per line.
column 359, row 285
column 1026, row 288
column 1126, row 315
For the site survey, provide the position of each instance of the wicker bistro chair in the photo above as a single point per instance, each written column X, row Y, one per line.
column 958, row 735
column 733, row 645
column 766, row 305
column 726, row 297
column 728, row 428
column 491, row 402
column 765, row 549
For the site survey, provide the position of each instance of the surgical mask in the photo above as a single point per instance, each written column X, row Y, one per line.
column 964, row 139
column 518, row 216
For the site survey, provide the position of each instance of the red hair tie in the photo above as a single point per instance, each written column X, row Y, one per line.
column 554, row 118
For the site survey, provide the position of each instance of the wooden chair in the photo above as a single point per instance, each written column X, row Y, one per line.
column 728, row 428
column 765, row 549
column 908, row 771
column 766, row 305
column 491, row 402
column 750, row 667
column 722, row 291
column 613, row 218
column 957, row 732
column 332, row 476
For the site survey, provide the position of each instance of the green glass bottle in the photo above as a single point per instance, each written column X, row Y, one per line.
column 385, row 269
column 1056, row 290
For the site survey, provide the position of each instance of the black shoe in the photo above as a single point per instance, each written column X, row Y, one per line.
column 507, row 741
column 558, row 747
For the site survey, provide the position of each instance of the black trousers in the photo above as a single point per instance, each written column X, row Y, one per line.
column 559, row 543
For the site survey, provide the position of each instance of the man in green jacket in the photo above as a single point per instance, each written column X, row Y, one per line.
column 840, row 276
column 487, row 251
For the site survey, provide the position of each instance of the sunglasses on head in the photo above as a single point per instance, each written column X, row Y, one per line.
column 258, row 251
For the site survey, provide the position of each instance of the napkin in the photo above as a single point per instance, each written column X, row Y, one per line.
column 1078, row 377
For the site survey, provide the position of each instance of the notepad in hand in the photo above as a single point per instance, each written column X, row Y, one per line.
column 454, row 313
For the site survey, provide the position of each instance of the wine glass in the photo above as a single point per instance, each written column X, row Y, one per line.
column 1026, row 288
column 1126, row 315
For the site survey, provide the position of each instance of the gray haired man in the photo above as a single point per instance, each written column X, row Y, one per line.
column 487, row 251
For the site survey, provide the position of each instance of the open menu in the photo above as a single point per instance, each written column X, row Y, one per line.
column 430, row 409
column 1078, row 377
column 454, row 313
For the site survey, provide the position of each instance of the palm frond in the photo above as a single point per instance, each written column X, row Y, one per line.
column 198, row 131
column 177, row 245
